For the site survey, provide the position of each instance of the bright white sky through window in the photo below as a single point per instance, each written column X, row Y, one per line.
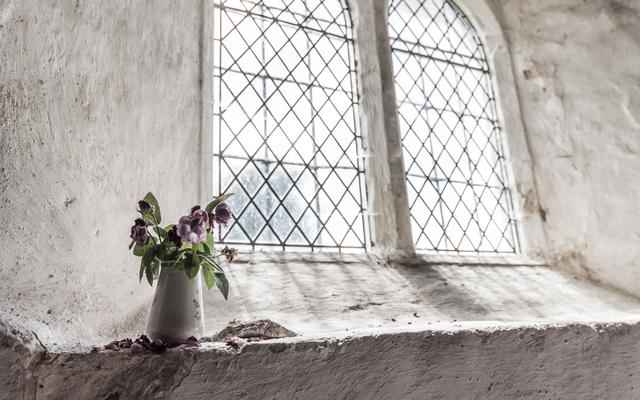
column 286, row 135
column 453, row 154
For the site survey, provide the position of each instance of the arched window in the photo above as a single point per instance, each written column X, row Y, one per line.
column 286, row 135
column 453, row 155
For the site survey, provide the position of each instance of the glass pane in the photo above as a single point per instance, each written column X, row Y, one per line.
column 286, row 137
column 453, row 155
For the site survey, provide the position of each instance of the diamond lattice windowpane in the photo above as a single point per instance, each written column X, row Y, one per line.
column 453, row 156
column 286, row 137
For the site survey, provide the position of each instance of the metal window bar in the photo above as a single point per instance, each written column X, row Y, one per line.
column 285, row 110
column 456, row 175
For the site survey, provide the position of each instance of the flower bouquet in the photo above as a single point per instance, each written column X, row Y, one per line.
column 174, row 255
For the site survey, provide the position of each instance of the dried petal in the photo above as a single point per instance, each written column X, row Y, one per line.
column 158, row 346
column 232, row 342
column 192, row 341
column 137, row 348
column 230, row 253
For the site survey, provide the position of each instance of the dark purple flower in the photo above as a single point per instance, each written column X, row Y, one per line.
column 174, row 237
column 144, row 207
column 119, row 344
column 229, row 252
column 223, row 214
column 201, row 217
column 193, row 228
column 194, row 209
column 139, row 234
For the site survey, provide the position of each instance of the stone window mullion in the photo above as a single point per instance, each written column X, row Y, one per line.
column 387, row 192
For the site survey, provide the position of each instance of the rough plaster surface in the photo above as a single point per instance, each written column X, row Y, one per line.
column 98, row 102
column 576, row 68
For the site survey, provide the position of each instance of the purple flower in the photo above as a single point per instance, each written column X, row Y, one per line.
column 222, row 214
column 174, row 237
column 144, row 207
column 139, row 234
column 202, row 218
column 197, row 212
column 193, row 228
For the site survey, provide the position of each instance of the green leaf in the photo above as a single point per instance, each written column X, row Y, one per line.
column 151, row 199
column 141, row 270
column 161, row 232
column 148, row 270
column 149, row 255
column 220, row 278
column 208, row 243
column 147, row 261
column 161, row 251
column 139, row 251
column 212, row 206
column 191, row 266
column 149, row 218
column 197, row 248
column 209, row 279
column 213, row 262
column 223, row 285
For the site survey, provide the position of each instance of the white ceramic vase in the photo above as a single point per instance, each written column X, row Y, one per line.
column 176, row 312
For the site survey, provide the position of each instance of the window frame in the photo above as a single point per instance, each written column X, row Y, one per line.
column 339, row 34
column 389, row 219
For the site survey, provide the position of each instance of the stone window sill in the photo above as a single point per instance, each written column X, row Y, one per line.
column 346, row 295
column 384, row 330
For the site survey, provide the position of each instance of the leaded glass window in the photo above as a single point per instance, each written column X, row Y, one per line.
column 453, row 154
column 286, row 135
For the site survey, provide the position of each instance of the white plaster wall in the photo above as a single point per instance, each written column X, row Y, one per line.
column 576, row 66
column 99, row 102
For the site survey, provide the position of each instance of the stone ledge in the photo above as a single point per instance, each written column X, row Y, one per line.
column 332, row 296
column 467, row 360
column 368, row 330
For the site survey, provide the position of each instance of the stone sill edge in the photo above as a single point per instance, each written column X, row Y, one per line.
column 281, row 257
column 316, row 342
